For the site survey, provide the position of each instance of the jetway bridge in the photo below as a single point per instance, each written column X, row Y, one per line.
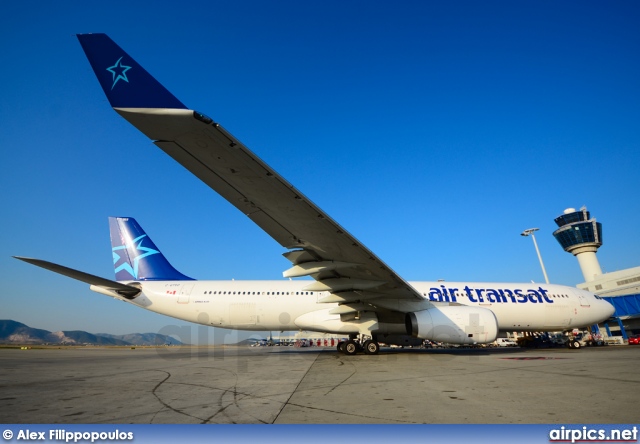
column 627, row 313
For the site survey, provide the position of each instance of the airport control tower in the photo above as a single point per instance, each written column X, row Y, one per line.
column 581, row 236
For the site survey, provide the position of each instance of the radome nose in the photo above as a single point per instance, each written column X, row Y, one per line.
column 609, row 308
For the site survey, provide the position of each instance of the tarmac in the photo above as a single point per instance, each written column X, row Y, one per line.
column 286, row 385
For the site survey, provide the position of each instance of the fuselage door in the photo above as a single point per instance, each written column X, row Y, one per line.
column 185, row 292
column 584, row 301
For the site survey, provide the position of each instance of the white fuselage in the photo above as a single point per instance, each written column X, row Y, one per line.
column 285, row 306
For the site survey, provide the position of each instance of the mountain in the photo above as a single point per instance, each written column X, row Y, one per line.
column 82, row 337
column 144, row 338
column 12, row 332
column 16, row 332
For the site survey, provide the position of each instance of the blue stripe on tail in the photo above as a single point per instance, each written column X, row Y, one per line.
column 135, row 256
column 126, row 84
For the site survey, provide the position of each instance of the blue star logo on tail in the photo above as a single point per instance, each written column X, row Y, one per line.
column 119, row 72
column 145, row 251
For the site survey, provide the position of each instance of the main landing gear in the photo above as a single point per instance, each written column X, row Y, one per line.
column 353, row 346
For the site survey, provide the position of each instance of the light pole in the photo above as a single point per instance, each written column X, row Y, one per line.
column 529, row 232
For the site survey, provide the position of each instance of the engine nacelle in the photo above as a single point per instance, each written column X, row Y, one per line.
column 455, row 324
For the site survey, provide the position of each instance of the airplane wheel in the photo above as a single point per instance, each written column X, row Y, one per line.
column 341, row 346
column 371, row 347
column 351, row 347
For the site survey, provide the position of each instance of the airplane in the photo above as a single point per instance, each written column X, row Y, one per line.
column 353, row 292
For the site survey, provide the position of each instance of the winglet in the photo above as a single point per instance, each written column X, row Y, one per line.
column 124, row 81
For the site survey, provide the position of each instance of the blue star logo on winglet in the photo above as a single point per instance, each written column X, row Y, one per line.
column 119, row 72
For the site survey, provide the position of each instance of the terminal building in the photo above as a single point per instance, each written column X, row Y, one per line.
column 581, row 235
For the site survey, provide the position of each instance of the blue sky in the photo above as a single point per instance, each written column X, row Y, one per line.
column 435, row 132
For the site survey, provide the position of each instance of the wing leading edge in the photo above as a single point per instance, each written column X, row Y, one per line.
column 319, row 246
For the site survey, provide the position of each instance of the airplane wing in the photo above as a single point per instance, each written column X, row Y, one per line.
column 319, row 246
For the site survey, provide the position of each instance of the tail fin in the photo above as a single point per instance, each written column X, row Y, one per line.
column 124, row 81
column 135, row 256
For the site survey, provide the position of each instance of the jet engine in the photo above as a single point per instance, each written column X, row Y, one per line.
column 455, row 324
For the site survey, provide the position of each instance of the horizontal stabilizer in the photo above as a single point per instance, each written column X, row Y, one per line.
column 127, row 291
